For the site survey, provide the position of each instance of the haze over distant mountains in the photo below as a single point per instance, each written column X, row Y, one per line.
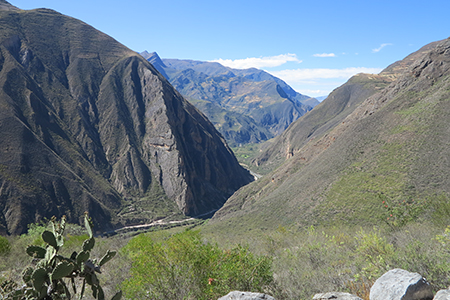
column 246, row 106
column 86, row 124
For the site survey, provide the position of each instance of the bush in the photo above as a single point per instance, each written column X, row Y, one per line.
column 185, row 267
column 343, row 259
column 50, row 274
column 5, row 247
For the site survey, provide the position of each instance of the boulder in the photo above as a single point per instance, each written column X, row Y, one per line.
column 442, row 295
column 335, row 296
column 398, row 284
column 236, row 295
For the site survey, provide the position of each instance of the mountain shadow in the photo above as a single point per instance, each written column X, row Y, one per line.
column 86, row 124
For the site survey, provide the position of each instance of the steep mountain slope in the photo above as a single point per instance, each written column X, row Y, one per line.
column 88, row 125
column 4, row 5
column 246, row 106
column 393, row 147
column 332, row 111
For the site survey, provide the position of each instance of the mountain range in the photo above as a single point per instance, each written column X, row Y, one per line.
column 376, row 140
column 86, row 124
column 340, row 103
column 246, row 106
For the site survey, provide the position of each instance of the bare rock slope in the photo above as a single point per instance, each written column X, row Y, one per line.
column 88, row 125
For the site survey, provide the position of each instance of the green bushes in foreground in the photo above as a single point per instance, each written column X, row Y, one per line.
column 286, row 263
column 5, row 247
column 348, row 260
column 50, row 274
column 185, row 267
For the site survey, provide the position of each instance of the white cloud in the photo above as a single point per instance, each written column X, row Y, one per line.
column 258, row 62
column 314, row 93
column 381, row 47
column 324, row 55
column 300, row 75
column 319, row 82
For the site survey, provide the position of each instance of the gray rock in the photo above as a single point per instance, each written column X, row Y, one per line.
column 236, row 295
column 335, row 296
column 442, row 295
column 399, row 284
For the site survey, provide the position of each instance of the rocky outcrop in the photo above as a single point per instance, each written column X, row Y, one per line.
column 86, row 124
column 400, row 284
column 246, row 106
column 442, row 295
column 236, row 295
column 335, row 296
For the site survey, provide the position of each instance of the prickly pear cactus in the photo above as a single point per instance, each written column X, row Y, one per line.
column 51, row 273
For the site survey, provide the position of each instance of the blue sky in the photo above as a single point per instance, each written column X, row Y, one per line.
column 315, row 46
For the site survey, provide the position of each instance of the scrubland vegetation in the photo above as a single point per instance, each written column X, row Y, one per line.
column 288, row 264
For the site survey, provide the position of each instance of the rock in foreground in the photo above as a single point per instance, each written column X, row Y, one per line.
column 236, row 295
column 335, row 296
column 442, row 295
column 398, row 284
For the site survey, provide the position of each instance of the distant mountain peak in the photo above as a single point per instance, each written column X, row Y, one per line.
column 5, row 5
column 156, row 61
column 152, row 57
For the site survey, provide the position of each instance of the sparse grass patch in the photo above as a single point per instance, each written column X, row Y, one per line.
column 348, row 259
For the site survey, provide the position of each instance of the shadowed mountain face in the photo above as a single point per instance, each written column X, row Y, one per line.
column 88, row 125
column 390, row 146
column 246, row 106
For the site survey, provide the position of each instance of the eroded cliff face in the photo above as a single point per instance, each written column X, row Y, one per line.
column 171, row 140
column 246, row 106
column 88, row 125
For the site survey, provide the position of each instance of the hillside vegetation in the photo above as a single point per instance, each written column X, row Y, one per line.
column 332, row 111
column 392, row 148
column 178, row 264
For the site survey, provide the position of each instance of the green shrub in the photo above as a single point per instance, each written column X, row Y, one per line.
column 349, row 260
column 50, row 274
column 186, row 267
column 5, row 247
column 373, row 255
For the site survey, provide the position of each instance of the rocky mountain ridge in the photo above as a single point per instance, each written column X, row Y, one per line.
column 246, row 106
column 333, row 110
column 88, row 125
column 391, row 146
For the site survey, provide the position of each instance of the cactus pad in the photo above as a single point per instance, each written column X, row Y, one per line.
column 88, row 244
column 50, row 239
column 82, row 257
column 88, row 225
column 117, row 296
column 107, row 257
column 36, row 251
column 38, row 278
column 63, row 269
